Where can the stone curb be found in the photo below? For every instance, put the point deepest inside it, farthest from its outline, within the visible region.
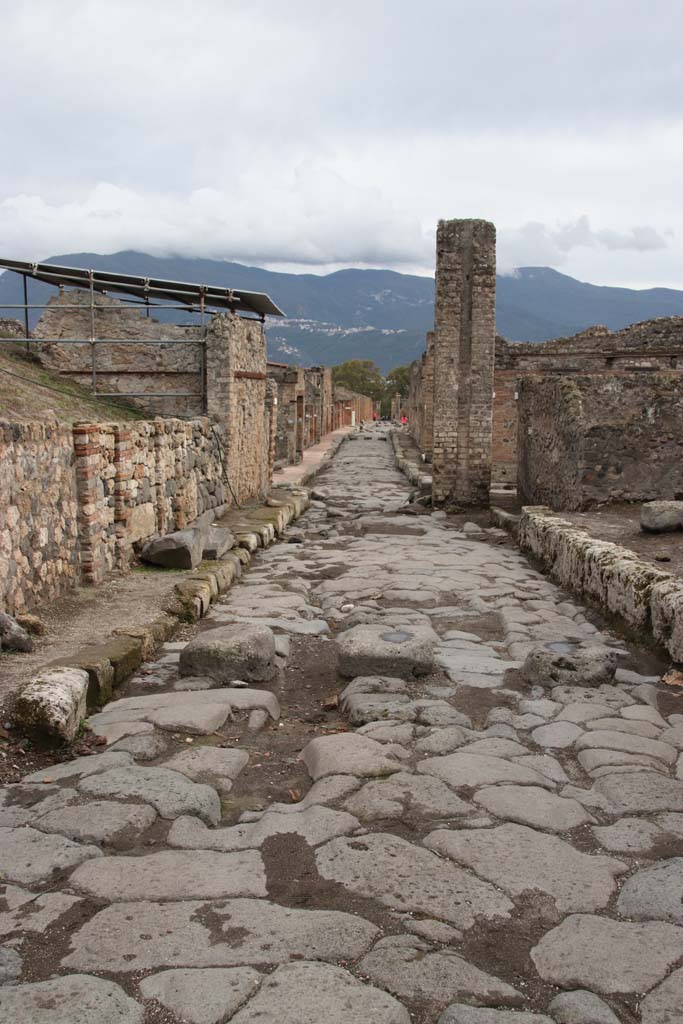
(612, 577)
(109, 663)
(505, 521)
(411, 470)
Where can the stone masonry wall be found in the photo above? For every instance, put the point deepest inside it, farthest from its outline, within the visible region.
(38, 508)
(595, 438)
(464, 337)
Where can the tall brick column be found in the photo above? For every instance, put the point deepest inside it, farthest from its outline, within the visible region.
(464, 349)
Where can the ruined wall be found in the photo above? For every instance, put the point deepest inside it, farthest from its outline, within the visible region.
(585, 439)
(419, 405)
(289, 381)
(350, 408)
(464, 335)
(38, 506)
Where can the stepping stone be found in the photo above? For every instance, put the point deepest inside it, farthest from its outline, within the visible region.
(69, 1000)
(21, 804)
(640, 793)
(308, 993)
(380, 650)
(173, 875)
(663, 1004)
(315, 825)
(170, 793)
(607, 739)
(458, 1013)
(231, 652)
(409, 878)
(194, 720)
(406, 796)
(28, 856)
(581, 1007)
(32, 912)
(472, 770)
(654, 893)
(530, 805)
(142, 936)
(607, 956)
(629, 835)
(348, 754)
(407, 967)
(216, 766)
(100, 821)
(518, 859)
(207, 996)
(578, 665)
(80, 766)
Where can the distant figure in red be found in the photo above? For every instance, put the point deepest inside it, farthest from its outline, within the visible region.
(374, 417)
(404, 420)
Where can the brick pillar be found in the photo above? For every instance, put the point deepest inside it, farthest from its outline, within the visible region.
(87, 465)
(464, 348)
(122, 494)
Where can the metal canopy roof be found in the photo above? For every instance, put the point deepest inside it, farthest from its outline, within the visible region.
(148, 288)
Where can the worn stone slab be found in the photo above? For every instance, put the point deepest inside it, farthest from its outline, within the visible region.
(100, 821)
(530, 805)
(546, 765)
(407, 967)
(217, 766)
(32, 912)
(368, 650)
(308, 993)
(202, 996)
(497, 746)
(173, 875)
(348, 754)
(443, 740)
(635, 727)
(628, 835)
(244, 651)
(663, 1004)
(582, 711)
(608, 956)
(143, 747)
(315, 825)
(170, 793)
(74, 999)
(21, 804)
(601, 762)
(28, 856)
(11, 966)
(459, 1013)
(654, 893)
(607, 739)
(389, 732)
(558, 735)
(472, 770)
(581, 1007)
(406, 877)
(517, 859)
(228, 933)
(406, 795)
(199, 720)
(81, 766)
(640, 793)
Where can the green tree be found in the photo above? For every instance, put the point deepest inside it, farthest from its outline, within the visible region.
(361, 376)
(398, 381)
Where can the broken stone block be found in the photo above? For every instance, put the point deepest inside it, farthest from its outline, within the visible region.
(53, 703)
(231, 652)
(217, 542)
(180, 550)
(571, 665)
(661, 516)
(13, 637)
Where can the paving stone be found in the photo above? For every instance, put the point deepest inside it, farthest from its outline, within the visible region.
(217, 766)
(391, 732)
(32, 912)
(228, 933)
(308, 993)
(663, 1004)
(557, 735)
(407, 877)
(170, 793)
(643, 713)
(74, 999)
(202, 996)
(100, 821)
(674, 736)
(405, 795)
(348, 754)
(545, 764)
(196, 721)
(80, 766)
(10, 967)
(580, 712)
(459, 1013)
(369, 650)
(117, 730)
(20, 804)
(581, 1007)
(543, 707)
(408, 968)
(374, 684)
(497, 747)
(433, 931)
(607, 956)
(602, 762)
(606, 739)
(530, 805)
(634, 727)
(314, 824)
(29, 856)
(629, 835)
(654, 893)
(517, 859)
(144, 747)
(641, 793)
(670, 823)
(463, 769)
(442, 740)
(241, 651)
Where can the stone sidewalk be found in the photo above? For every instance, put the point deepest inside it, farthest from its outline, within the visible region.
(342, 802)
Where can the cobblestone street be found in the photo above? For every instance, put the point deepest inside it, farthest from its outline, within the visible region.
(343, 802)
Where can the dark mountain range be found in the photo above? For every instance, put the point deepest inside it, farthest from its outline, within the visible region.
(380, 314)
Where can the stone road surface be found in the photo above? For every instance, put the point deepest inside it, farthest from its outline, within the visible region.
(446, 843)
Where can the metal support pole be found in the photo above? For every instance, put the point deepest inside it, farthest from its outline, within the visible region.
(93, 346)
(26, 310)
(202, 356)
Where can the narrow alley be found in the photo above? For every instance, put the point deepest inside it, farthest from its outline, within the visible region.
(343, 801)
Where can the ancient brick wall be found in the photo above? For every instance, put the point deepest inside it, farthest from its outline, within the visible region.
(38, 507)
(464, 335)
(585, 439)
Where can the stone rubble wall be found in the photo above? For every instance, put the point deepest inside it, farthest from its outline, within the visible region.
(596, 438)
(614, 578)
(39, 550)
(304, 408)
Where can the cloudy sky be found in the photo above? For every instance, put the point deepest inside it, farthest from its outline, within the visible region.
(312, 135)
